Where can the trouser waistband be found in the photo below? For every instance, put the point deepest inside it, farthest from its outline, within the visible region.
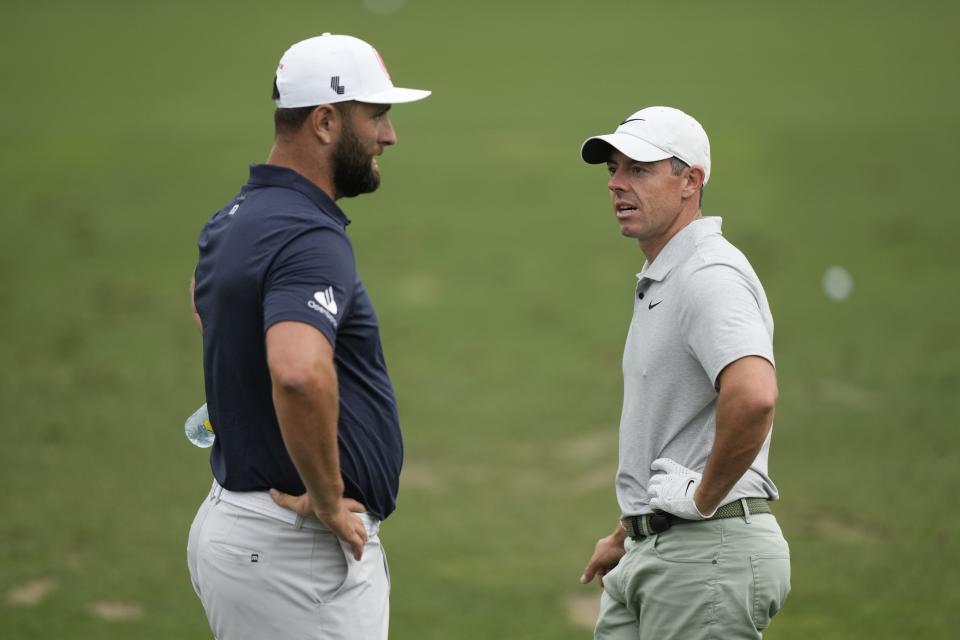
(649, 524)
(260, 502)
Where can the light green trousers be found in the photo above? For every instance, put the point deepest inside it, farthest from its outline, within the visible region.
(719, 579)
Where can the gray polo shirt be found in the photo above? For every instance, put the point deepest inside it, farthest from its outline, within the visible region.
(698, 307)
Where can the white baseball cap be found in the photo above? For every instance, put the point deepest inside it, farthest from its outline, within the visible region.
(335, 68)
(651, 134)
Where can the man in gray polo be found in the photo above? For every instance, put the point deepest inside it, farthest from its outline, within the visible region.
(697, 553)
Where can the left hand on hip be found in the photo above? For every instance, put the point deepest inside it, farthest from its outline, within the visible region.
(672, 488)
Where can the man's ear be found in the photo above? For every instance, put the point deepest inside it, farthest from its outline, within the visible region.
(692, 182)
(325, 122)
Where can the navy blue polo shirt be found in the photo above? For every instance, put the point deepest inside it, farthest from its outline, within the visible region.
(279, 251)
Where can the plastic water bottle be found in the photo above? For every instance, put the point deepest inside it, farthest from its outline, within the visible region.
(198, 428)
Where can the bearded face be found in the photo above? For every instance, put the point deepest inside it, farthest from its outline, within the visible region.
(354, 171)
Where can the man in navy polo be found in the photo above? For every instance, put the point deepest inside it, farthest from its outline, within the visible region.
(308, 449)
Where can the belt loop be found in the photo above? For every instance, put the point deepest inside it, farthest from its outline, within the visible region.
(216, 493)
(298, 523)
(746, 510)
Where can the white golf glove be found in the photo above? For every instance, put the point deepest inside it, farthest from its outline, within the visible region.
(672, 487)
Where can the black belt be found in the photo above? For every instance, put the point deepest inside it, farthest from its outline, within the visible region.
(652, 523)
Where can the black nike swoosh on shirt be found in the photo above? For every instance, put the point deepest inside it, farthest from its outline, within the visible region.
(688, 487)
(653, 304)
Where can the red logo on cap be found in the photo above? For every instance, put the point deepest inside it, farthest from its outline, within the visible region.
(383, 65)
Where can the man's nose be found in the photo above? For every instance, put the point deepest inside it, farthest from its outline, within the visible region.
(615, 183)
(388, 135)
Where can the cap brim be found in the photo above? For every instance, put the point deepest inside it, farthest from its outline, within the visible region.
(596, 150)
(395, 95)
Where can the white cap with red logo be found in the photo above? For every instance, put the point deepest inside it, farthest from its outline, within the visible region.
(336, 68)
(651, 134)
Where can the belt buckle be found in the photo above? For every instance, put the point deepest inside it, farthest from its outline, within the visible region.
(659, 522)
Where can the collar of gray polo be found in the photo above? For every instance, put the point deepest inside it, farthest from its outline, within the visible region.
(679, 248)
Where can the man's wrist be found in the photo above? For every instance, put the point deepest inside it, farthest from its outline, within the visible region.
(327, 501)
(706, 505)
(619, 535)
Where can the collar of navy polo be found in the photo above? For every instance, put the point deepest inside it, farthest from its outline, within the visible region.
(269, 175)
(679, 248)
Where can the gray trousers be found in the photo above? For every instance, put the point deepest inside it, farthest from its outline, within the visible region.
(712, 579)
(262, 574)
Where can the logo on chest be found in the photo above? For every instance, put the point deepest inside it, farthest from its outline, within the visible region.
(652, 304)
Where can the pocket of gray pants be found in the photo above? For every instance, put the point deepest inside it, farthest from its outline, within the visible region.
(693, 543)
(386, 567)
(239, 555)
(329, 566)
(771, 586)
(230, 540)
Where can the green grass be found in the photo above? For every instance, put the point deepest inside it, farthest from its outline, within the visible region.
(503, 288)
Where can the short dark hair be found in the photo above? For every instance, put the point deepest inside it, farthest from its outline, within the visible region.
(289, 121)
(677, 165)
(676, 168)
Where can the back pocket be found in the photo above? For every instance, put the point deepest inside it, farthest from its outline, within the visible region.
(236, 554)
(771, 586)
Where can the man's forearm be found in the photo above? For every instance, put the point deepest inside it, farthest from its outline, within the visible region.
(738, 441)
(307, 411)
(745, 409)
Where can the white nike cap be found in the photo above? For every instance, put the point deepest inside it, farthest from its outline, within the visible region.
(335, 68)
(651, 134)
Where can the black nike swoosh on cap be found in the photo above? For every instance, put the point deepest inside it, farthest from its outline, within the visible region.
(632, 120)
(653, 304)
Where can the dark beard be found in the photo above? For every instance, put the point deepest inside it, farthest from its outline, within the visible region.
(353, 171)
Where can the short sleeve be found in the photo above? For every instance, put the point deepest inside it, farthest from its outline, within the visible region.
(724, 317)
(311, 280)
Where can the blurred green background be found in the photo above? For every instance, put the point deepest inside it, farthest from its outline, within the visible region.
(503, 287)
